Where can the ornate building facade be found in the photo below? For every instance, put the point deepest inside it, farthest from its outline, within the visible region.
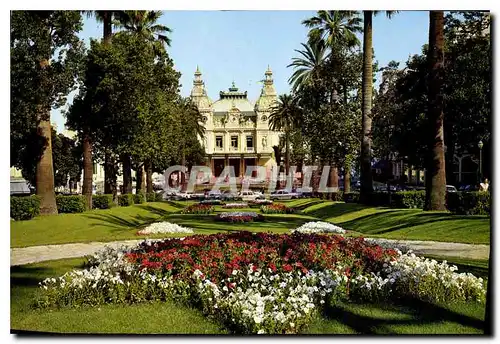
(236, 130)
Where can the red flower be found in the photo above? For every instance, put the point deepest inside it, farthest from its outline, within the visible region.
(287, 267)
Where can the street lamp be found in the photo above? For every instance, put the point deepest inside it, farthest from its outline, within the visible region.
(480, 145)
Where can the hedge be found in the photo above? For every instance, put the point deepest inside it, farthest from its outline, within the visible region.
(159, 196)
(125, 200)
(351, 197)
(469, 203)
(102, 201)
(24, 208)
(150, 197)
(139, 198)
(71, 204)
(408, 199)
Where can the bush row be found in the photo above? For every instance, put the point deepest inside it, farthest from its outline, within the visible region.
(463, 203)
(25, 208)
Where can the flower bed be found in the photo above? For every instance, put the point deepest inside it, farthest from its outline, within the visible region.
(198, 209)
(164, 227)
(212, 202)
(319, 227)
(259, 283)
(259, 202)
(276, 208)
(239, 217)
(235, 205)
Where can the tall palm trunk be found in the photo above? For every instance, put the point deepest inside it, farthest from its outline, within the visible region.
(366, 168)
(87, 170)
(149, 176)
(127, 173)
(45, 168)
(347, 179)
(333, 178)
(435, 194)
(287, 153)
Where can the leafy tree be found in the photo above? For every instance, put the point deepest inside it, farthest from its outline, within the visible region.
(307, 68)
(67, 154)
(46, 56)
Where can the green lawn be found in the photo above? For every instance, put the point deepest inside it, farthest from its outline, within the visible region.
(121, 223)
(168, 317)
(410, 224)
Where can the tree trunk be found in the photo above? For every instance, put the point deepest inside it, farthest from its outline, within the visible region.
(45, 171)
(149, 176)
(436, 181)
(347, 179)
(287, 153)
(110, 176)
(366, 168)
(333, 179)
(127, 174)
(143, 180)
(183, 174)
(87, 170)
(107, 27)
(138, 179)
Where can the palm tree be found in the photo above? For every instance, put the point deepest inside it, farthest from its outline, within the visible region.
(366, 168)
(435, 179)
(285, 116)
(307, 67)
(335, 28)
(144, 24)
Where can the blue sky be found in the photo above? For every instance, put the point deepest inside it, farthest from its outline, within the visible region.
(238, 45)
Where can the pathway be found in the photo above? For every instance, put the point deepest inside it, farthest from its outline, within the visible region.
(33, 254)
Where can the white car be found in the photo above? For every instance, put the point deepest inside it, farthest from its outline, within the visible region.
(249, 196)
(283, 194)
(451, 188)
(181, 195)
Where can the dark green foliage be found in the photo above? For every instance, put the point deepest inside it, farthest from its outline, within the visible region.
(70, 204)
(158, 196)
(469, 203)
(102, 201)
(125, 200)
(150, 197)
(408, 199)
(139, 198)
(351, 197)
(38, 37)
(24, 208)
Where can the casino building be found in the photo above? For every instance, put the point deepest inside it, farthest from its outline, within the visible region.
(237, 130)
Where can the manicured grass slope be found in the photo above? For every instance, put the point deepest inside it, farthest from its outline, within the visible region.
(410, 224)
(118, 223)
(122, 223)
(168, 317)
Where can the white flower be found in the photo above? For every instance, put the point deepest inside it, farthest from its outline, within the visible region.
(319, 227)
(164, 227)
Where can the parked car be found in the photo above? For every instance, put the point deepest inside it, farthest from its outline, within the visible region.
(229, 196)
(214, 194)
(181, 196)
(451, 188)
(250, 196)
(283, 195)
(304, 192)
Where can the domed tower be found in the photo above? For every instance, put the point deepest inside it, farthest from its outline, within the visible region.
(199, 94)
(263, 106)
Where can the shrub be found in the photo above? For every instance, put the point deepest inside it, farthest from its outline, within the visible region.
(337, 196)
(150, 197)
(469, 203)
(102, 201)
(24, 208)
(71, 204)
(276, 208)
(212, 202)
(408, 199)
(239, 217)
(351, 197)
(198, 209)
(159, 196)
(139, 198)
(125, 200)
